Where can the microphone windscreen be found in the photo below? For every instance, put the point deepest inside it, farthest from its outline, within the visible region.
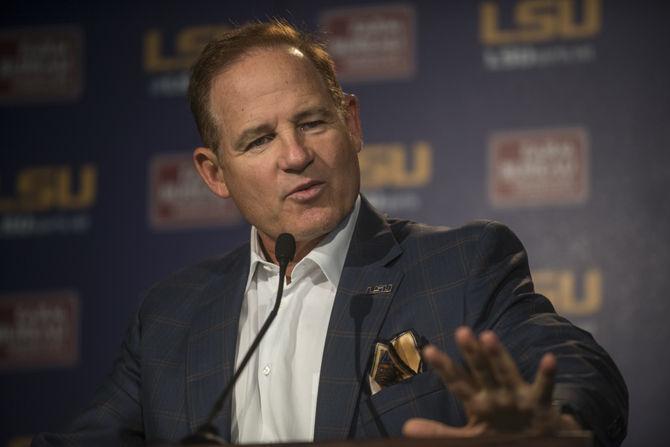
(285, 247)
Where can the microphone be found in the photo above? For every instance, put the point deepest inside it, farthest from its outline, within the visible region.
(207, 433)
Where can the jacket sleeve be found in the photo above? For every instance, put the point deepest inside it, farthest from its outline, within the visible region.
(588, 384)
(114, 417)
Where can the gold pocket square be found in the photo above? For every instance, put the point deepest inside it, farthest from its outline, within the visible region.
(395, 361)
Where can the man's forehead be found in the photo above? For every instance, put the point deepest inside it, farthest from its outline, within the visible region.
(265, 69)
(265, 66)
(276, 53)
(296, 52)
(241, 95)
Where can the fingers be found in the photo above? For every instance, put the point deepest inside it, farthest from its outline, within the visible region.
(495, 395)
(453, 375)
(502, 364)
(543, 386)
(426, 428)
(491, 367)
(476, 358)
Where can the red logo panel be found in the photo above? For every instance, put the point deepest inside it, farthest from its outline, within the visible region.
(538, 167)
(39, 330)
(40, 64)
(371, 43)
(178, 198)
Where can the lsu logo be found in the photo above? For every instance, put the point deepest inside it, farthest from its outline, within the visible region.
(536, 21)
(560, 286)
(187, 45)
(394, 166)
(48, 188)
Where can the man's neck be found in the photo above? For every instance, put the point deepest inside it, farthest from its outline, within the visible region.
(342, 232)
(302, 249)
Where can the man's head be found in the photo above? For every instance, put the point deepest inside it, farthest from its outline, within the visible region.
(232, 45)
(285, 140)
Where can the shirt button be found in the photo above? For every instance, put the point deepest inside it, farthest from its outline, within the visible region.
(266, 370)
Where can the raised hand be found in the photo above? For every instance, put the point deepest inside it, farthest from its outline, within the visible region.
(495, 396)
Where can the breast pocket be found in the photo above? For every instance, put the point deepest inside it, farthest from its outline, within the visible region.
(423, 395)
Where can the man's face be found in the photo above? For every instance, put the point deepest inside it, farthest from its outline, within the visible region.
(287, 157)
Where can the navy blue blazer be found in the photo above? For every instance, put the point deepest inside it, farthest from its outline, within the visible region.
(180, 347)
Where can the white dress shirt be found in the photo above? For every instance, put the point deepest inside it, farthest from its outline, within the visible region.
(275, 397)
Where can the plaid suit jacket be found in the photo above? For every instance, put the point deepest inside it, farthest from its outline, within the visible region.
(179, 351)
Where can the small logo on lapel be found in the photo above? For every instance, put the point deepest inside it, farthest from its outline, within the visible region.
(381, 288)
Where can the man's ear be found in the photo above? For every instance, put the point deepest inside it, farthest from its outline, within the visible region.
(208, 166)
(353, 120)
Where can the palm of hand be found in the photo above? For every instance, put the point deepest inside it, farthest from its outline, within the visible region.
(509, 410)
(494, 395)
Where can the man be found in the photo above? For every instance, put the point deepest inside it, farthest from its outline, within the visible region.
(281, 140)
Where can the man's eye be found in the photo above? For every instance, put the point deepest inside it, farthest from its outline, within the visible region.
(258, 142)
(312, 125)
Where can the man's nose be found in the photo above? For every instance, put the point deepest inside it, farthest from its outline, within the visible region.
(295, 155)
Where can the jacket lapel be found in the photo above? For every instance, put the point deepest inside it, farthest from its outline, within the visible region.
(210, 355)
(366, 289)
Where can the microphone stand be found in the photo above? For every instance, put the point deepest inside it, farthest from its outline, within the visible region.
(207, 433)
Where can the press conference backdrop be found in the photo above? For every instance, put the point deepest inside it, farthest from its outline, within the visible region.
(549, 115)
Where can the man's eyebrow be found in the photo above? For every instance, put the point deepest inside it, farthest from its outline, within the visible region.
(252, 132)
(316, 111)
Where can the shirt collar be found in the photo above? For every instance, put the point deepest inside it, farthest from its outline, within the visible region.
(329, 255)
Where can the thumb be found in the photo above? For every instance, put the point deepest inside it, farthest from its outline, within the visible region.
(426, 428)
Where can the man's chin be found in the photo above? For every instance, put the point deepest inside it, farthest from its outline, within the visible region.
(313, 226)
(306, 235)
